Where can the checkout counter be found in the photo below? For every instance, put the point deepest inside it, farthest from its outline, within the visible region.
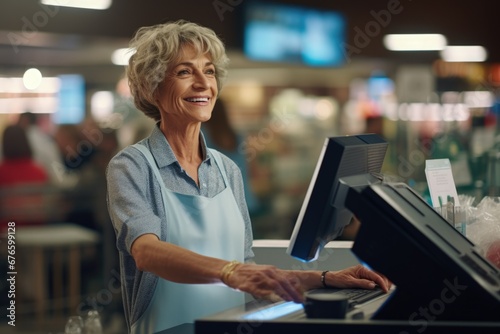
(336, 255)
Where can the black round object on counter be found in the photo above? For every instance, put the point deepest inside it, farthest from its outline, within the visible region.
(325, 305)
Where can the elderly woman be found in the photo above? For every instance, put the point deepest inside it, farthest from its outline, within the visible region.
(178, 208)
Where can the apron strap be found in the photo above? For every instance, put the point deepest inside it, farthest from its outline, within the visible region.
(149, 157)
(220, 164)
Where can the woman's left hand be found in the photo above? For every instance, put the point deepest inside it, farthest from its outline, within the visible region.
(357, 277)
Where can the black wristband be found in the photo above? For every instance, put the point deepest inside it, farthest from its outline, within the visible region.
(323, 278)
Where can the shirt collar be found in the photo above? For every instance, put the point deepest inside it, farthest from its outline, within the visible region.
(163, 153)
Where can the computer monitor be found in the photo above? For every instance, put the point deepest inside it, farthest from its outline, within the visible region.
(439, 274)
(323, 215)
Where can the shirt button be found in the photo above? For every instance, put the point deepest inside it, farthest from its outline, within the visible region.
(203, 184)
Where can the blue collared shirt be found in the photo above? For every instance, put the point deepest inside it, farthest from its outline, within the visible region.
(136, 208)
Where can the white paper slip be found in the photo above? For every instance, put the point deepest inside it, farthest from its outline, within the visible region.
(441, 183)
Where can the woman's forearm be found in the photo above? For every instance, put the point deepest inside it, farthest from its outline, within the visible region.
(175, 263)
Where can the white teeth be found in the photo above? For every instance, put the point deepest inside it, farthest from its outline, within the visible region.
(198, 99)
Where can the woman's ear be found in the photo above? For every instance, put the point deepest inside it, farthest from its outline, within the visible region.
(155, 97)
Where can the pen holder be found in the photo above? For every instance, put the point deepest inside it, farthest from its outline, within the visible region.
(455, 215)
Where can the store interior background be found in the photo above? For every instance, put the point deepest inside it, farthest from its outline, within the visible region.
(423, 106)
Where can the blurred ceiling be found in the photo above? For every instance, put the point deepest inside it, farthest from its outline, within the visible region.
(60, 39)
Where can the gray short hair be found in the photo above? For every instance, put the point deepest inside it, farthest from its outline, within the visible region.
(155, 49)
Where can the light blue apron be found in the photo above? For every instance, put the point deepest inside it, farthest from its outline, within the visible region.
(209, 226)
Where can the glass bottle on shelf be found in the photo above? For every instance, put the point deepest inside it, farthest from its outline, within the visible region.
(74, 325)
(93, 323)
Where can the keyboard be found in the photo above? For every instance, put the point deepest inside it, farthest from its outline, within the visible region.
(266, 310)
(355, 296)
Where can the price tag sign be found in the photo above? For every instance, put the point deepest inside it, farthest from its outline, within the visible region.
(441, 183)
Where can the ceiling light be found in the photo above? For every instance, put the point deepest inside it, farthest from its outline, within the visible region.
(464, 53)
(87, 4)
(101, 105)
(121, 56)
(32, 78)
(415, 42)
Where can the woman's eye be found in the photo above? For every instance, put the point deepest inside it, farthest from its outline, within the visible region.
(183, 72)
(210, 71)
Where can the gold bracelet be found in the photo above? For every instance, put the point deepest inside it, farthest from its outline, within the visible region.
(228, 270)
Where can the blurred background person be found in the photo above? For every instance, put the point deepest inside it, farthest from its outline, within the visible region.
(86, 149)
(220, 134)
(20, 178)
(18, 165)
(43, 145)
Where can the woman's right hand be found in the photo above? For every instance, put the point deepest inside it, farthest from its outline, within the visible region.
(267, 282)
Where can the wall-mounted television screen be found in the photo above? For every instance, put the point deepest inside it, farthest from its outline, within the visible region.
(71, 96)
(293, 34)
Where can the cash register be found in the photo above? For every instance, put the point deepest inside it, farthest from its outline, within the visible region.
(441, 281)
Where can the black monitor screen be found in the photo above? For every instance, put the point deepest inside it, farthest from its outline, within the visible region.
(323, 216)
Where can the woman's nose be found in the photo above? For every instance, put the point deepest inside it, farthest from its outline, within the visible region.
(201, 81)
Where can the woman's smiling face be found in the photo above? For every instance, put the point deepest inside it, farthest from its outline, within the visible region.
(189, 90)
